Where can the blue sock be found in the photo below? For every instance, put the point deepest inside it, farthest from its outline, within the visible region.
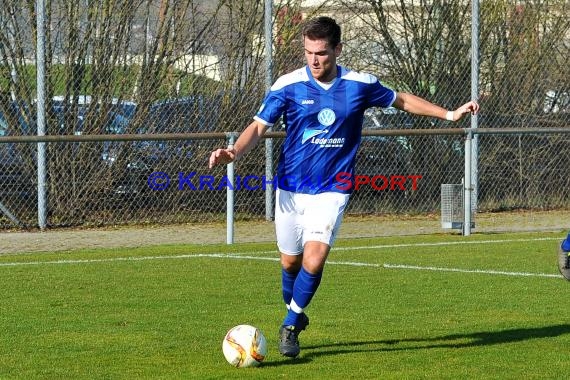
(304, 289)
(287, 282)
(566, 244)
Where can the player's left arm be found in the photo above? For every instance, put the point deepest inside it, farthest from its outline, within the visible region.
(414, 104)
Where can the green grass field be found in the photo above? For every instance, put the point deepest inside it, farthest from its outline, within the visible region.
(438, 306)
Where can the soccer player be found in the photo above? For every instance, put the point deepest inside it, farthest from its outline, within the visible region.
(323, 106)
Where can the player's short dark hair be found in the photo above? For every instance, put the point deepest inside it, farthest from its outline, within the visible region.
(322, 28)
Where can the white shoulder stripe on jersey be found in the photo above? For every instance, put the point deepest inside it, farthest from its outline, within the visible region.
(299, 75)
(359, 77)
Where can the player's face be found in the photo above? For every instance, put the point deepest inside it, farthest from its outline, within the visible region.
(321, 59)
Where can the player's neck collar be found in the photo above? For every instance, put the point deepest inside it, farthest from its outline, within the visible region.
(326, 85)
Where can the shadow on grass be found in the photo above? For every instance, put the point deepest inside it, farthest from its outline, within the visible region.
(485, 338)
(289, 361)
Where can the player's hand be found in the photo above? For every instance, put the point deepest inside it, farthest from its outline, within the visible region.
(471, 107)
(222, 156)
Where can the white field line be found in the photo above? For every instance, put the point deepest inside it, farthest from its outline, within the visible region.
(243, 256)
(444, 243)
(141, 258)
(436, 244)
(482, 271)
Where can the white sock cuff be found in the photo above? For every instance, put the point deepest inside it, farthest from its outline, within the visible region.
(293, 306)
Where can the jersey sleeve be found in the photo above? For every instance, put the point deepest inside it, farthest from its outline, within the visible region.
(380, 95)
(376, 93)
(272, 108)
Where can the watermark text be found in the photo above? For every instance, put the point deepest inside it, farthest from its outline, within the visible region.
(343, 181)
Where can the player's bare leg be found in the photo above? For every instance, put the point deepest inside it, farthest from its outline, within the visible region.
(315, 255)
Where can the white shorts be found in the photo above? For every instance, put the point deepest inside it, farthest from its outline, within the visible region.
(300, 218)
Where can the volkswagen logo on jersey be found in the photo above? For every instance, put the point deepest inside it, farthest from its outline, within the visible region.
(326, 117)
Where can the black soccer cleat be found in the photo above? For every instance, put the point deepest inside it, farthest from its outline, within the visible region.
(289, 337)
(564, 263)
(289, 341)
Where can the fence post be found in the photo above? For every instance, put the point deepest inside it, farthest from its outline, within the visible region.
(268, 26)
(230, 193)
(41, 119)
(467, 185)
(474, 96)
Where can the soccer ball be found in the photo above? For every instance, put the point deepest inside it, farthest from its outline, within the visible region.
(244, 346)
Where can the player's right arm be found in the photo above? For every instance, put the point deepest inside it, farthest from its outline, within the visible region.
(245, 142)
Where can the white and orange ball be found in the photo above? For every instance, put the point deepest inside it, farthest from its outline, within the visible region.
(244, 346)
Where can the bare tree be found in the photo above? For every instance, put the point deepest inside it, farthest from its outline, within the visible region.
(526, 83)
(422, 47)
(522, 49)
(99, 54)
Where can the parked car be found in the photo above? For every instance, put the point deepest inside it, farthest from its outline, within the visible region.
(133, 161)
(383, 155)
(196, 113)
(15, 180)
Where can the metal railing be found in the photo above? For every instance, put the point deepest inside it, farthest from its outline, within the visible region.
(394, 158)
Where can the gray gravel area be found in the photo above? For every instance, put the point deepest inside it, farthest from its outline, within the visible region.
(247, 231)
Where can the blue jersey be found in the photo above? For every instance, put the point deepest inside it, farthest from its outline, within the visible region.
(324, 127)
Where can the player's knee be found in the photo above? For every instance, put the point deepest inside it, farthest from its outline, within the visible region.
(314, 257)
(314, 265)
(291, 263)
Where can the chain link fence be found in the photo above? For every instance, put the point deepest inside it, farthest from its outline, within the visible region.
(168, 67)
